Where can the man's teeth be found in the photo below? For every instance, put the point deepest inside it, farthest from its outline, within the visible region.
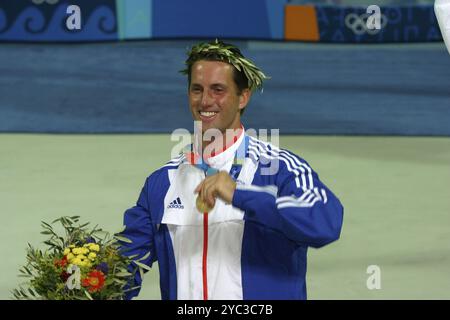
(207, 114)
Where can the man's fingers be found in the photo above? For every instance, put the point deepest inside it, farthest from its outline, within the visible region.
(203, 192)
(212, 198)
(209, 196)
(199, 187)
(207, 191)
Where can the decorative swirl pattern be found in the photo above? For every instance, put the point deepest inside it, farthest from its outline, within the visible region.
(107, 22)
(34, 21)
(48, 23)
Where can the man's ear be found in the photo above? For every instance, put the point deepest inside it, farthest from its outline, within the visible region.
(244, 98)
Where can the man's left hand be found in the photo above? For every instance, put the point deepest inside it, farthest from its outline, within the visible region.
(217, 185)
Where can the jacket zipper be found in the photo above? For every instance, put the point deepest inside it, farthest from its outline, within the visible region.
(205, 255)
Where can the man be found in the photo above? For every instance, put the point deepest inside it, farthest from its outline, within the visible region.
(232, 217)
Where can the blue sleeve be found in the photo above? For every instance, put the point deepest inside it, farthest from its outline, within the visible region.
(138, 229)
(298, 204)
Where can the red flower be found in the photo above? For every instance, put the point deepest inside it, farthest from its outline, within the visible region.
(61, 263)
(94, 281)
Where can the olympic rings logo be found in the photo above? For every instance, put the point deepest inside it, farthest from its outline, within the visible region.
(364, 23)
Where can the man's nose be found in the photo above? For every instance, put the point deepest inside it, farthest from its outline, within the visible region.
(207, 99)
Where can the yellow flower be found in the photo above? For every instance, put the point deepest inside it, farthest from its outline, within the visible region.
(81, 257)
(66, 251)
(77, 261)
(70, 257)
(76, 250)
(72, 246)
(84, 263)
(94, 247)
(84, 250)
(92, 256)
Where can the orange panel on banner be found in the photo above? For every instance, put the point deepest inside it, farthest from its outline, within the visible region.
(301, 23)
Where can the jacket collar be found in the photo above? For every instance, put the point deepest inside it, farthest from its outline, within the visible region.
(219, 159)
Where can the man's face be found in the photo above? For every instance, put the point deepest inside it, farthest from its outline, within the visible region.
(213, 96)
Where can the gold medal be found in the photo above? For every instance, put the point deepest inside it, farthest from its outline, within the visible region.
(202, 206)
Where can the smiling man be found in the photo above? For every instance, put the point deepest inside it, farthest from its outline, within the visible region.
(214, 96)
(233, 216)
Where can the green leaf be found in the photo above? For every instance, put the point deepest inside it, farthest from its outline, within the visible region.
(122, 282)
(23, 293)
(123, 239)
(141, 272)
(84, 225)
(88, 295)
(28, 271)
(56, 220)
(115, 295)
(143, 266)
(145, 257)
(46, 224)
(131, 289)
(24, 275)
(123, 274)
(16, 295)
(64, 222)
(31, 292)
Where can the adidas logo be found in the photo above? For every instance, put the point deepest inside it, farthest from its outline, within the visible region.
(175, 204)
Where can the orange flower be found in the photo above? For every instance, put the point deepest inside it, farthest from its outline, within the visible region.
(94, 281)
(61, 263)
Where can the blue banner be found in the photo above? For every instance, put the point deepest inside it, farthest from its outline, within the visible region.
(398, 24)
(52, 20)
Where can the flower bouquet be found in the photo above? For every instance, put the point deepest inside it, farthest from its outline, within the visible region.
(82, 264)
